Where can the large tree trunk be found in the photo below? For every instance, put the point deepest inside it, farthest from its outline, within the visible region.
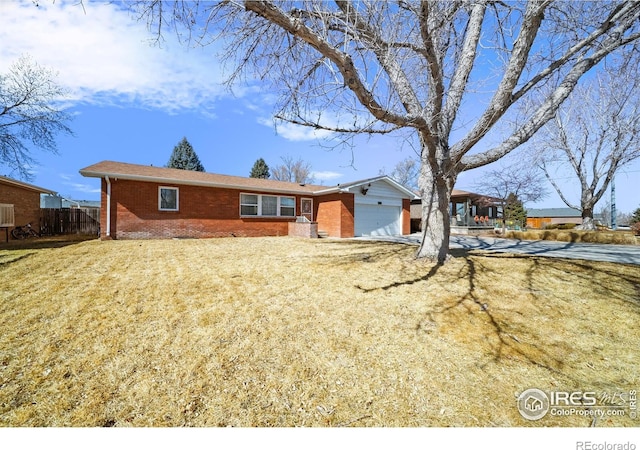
(436, 221)
(587, 220)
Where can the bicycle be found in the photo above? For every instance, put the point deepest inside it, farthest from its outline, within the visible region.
(24, 232)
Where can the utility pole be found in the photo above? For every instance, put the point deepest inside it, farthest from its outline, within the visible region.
(614, 225)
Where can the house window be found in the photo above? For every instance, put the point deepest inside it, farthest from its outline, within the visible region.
(267, 205)
(287, 206)
(7, 216)
(248, 205)
(168, 199)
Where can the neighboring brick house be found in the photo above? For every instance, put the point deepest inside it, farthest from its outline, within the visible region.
(139, 202)
(19, 204)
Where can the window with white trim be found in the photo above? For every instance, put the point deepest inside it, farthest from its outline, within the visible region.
(168, 199)
(287, 206)
(267, 205)
(248, 205)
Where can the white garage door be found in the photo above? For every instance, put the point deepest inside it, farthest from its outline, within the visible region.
(377, 220)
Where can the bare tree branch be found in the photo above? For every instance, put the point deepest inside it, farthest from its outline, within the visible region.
(29, 114)
(453, 73)
(594, 133)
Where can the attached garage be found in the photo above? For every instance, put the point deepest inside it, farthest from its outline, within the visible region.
(379, 206)
(377, 220)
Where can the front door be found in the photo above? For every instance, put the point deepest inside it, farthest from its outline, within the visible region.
(306, 208)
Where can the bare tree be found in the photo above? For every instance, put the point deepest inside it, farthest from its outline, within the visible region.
(29, 114)
(406, 172)
(446, 72)
(605, 213)
(593, 135)
(519, 180)
(296, 171)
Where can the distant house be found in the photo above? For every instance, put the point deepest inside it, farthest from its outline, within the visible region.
(540, 218)
(467, 210)
(19, 203)
(140, 202)
(56, 201)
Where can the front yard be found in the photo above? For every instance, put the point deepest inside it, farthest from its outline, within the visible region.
(286, 332)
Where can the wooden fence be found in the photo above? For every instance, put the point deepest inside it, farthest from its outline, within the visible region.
(69, 221)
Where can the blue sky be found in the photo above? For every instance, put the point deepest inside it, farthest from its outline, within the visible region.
(133, 102)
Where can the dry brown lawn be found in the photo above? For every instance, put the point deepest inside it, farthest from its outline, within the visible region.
(591, 237)
(288, 332)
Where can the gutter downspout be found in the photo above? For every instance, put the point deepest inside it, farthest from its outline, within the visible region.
(108, 230)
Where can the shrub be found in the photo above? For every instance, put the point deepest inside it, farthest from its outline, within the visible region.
(636, 228)
(560, 226)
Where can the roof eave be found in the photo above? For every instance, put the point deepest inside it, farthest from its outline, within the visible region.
(28, 186)
(384, 178)
(175, 181)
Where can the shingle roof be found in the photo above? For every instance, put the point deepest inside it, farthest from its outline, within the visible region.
(553, 212)
(139, 172)
(24, 185)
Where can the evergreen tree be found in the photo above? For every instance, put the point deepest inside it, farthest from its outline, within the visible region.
(184, 157)
(636, 216)
(260, 169)
(635, 222)
(514, 212)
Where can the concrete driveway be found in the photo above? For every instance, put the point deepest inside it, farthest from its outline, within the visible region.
(625, 254)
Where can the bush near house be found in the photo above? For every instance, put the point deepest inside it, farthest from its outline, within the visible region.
(560, 226)
(592, 237)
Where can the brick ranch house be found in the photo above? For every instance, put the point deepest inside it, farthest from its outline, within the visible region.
(139, 202)
(19, 204)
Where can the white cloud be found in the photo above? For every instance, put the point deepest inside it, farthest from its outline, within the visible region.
(104, 56)
(325, 175)
(86, 188)
(293, 132)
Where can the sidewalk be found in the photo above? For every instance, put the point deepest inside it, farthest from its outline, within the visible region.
(622, 254)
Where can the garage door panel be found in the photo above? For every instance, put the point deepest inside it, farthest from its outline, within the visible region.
(377, 220)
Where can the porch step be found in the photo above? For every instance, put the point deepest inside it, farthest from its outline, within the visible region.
(322, 234)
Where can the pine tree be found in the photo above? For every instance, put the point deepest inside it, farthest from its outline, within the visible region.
(260, 169)
(514, 212)
(184, 157)
(635, 222)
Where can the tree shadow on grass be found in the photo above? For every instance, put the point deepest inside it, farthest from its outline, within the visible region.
(45, 242)
(363, 251)
(472, 318)
(496, 334)
(15, 251)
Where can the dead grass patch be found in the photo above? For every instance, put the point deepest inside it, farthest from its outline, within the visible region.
(288, 332)
(592, 237)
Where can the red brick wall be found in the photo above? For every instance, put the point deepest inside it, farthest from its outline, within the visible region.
(203, 212)
(334, 214)
(26, 206)
(406, 216)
